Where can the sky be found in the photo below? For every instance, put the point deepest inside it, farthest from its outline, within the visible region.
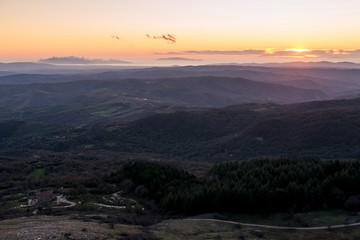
(181, 31)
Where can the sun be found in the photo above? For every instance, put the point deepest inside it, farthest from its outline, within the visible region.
(299, 50)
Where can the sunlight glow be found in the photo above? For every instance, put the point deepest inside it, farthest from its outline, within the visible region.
(311, 56)
(217, 31)
(298, 50)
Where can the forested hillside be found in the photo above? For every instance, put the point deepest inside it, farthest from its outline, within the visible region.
(328, 129)
(249, 186)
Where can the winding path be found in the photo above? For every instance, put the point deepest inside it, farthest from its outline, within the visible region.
(110, 206)
(275, 227)
(65, 201)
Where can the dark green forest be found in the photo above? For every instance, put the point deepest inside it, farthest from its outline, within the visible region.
(77, 132)
(260, 185)
(318, 130)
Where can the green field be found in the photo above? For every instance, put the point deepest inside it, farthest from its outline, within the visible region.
(89, 146)
(37, 173)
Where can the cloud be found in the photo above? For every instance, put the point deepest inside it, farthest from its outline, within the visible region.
(353, 52)
(178, 59)
(216, 52)
(168, 53)
(330, 53)
(275, 53)
(81, 60)
(115, 37)
(283, 53)
(292, 53)
(336, 54)
(168, 37)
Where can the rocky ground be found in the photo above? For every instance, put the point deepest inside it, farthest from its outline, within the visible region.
(61, 227)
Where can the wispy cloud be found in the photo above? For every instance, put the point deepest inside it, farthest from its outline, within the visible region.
(282, 53)
(115, 37)
(216, 52)
(168, 53)
(81, 60)
(168, 37)
(290, 53)
(179, 59)
(313, 53)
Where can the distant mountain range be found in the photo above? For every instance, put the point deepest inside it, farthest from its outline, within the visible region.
(300, 64)
(204, 113)
(333, 82)
(129, 94)
(60, 68)
(75, 64)
(81, 60)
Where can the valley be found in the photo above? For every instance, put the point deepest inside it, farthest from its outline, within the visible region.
(250, 152)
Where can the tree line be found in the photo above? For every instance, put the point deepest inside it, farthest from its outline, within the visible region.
(259, 185)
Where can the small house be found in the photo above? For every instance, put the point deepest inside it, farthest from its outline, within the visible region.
(41, 197)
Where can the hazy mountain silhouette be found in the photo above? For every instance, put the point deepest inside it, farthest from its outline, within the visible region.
(333, 82)
(81, 60)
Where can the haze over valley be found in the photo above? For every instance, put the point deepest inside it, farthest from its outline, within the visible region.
(179, 119)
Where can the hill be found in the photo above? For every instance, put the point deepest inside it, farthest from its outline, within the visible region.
(334, 79)
(199, 91)
(327, 129)
(91, 101)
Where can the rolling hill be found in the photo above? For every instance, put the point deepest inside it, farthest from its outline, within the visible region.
(327, 129)
(334, 79)
(198, 91)
(90, 101)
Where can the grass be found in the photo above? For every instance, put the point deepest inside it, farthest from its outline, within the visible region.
(11, 204)
(37, 173)
(105, 111)
(301, 219)
(333, 217)
(183, 229)
(261, 109)
(73, 135)
(110, 144)
(89, 146)
(59, 227)
(55, 226)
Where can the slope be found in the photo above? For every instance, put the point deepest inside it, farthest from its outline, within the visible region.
(327, 129)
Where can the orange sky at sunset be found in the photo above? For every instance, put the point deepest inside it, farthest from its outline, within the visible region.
(207, 30)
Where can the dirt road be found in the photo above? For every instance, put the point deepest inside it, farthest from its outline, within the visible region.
(275, 227)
